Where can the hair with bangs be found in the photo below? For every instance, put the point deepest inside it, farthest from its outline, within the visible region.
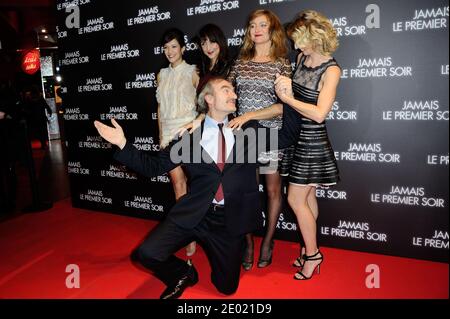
(214, 34)
(172, 34)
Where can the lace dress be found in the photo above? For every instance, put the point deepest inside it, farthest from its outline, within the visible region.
(311, 160)
(254, 83)
(176, 97)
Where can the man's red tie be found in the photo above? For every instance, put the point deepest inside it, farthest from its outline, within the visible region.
(221, 160)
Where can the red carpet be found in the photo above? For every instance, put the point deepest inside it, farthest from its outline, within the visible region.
(36, 248)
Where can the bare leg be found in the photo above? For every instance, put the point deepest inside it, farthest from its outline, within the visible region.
(178, 182)
(312, 203)
(298, 199)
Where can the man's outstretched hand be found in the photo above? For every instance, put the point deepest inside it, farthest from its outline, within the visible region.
(114, 135)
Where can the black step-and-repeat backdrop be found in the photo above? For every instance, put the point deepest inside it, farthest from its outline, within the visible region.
(389, 124)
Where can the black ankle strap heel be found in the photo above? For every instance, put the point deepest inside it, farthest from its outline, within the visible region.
(317, 256)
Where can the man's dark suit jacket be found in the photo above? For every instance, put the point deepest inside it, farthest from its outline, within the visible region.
(238, 178)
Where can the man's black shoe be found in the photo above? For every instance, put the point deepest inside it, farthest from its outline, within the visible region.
(176, 290)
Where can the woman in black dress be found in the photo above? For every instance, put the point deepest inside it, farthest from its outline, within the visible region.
(311, 92)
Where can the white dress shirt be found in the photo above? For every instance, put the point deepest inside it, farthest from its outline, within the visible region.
(210, 138)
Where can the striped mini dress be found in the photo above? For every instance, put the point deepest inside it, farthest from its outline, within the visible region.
(311, 160)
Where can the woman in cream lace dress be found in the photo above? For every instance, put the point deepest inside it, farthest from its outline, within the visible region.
(176, 95)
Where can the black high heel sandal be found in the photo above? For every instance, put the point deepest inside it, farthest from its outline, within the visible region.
(300, 261)
(262, 263)
(316, 268)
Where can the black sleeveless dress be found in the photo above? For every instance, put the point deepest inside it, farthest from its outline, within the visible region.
(311, 160)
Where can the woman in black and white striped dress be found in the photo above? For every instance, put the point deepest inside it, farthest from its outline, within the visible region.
(311, 93)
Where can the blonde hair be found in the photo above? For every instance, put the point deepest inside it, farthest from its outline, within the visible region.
(277, 36)
(313, 28)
